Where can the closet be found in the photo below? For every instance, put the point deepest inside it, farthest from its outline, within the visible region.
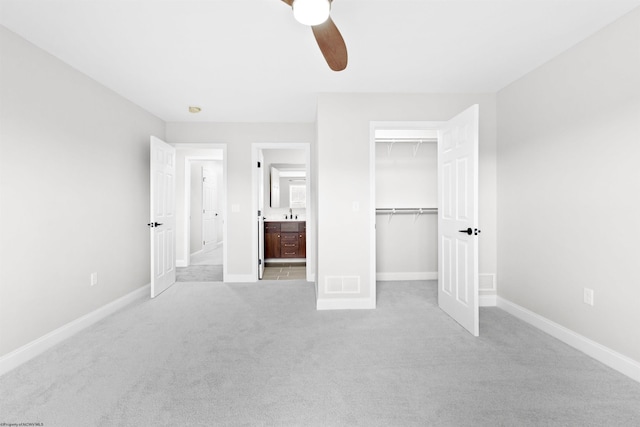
(406, 205)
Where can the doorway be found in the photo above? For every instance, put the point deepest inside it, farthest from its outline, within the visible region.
(406, 204)
(201, 200)
(283, 238)
(456, 206)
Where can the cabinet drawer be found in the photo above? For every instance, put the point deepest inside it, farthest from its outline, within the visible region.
(289, 250)
(289, 226)
(289, 237)
(271, 227)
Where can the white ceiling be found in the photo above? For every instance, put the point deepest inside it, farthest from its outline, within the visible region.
(250, 61)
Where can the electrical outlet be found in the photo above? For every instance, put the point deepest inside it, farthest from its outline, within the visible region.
(588, 296)
(94, 279)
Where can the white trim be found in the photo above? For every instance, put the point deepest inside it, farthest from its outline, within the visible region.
(487, 300)
(345, 304)
(35, 348)
(402, 275)
(181, 263)
(239, 278)
(609, 357)
(196, 252)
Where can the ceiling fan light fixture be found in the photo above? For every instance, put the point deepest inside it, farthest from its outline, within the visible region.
(311, 12)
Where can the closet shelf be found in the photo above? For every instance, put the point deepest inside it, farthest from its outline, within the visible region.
(416, 141)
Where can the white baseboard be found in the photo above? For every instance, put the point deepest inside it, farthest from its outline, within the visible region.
(487, 300)
(181, 263)
(40, 345)
(418, 275)
(609, 357)
(240, 278)
(345, 303)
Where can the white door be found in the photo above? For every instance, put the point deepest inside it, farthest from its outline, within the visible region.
(209, 209)
(261, 191)
(163, 219)
(458, 219)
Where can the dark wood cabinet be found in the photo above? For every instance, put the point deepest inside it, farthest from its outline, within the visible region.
(271, 241)
(286, 239)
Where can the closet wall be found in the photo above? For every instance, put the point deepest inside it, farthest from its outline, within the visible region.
(406, 242)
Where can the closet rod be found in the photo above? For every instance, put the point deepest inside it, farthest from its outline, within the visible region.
(414, 140)
(406, 210)
(415, 211)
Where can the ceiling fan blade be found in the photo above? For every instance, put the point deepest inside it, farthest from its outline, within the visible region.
(331, 44)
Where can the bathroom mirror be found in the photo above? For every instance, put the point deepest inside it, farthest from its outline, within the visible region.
(288, 184)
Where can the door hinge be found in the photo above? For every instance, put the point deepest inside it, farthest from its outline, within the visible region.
(204, 178)
(259, 262)
(258, 164)
(204, 243)
(259, 212)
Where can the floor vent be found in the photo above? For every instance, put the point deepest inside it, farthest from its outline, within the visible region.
(342, 285)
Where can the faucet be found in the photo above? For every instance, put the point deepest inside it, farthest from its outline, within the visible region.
(290, 214)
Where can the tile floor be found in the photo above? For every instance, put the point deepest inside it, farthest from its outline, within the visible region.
(285, 271)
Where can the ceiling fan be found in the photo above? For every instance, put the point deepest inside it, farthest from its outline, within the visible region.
(315, 13)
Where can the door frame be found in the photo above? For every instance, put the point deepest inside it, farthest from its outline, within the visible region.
(373, 127)
(310, 211)
(187, 195)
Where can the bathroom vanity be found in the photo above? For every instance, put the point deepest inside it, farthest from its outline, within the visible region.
(285, 239)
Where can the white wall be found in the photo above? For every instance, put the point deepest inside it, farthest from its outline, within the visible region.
(239, 137)
(343, 159)
(569, 188)
(74, 185)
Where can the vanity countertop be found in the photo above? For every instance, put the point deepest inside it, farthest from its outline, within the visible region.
(284, 220)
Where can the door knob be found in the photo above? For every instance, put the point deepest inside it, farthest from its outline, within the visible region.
(154, 224)
(470, 231)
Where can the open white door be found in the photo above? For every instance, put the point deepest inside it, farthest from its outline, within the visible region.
(209, 209)
(260, 214)
(458, 219)
(163, 219)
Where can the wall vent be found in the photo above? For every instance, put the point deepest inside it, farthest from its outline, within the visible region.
(342, 284)
(487, 282)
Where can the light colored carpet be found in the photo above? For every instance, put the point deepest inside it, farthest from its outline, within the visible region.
(204, 267)
(199, 273)
(215, 354)
(212, 256)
